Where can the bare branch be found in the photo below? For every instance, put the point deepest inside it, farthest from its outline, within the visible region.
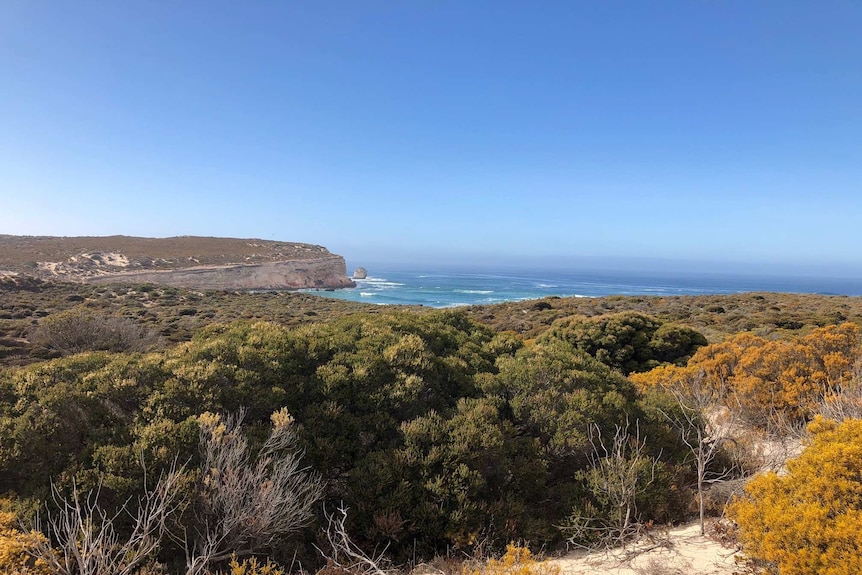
(85, 536)
(78, 330)
(344, 553)
(248, 504)
(844, 401)
(621, 470)
(703, 427)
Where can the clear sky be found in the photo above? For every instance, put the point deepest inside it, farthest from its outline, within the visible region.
(469, 131)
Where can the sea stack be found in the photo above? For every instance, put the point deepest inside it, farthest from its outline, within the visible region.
(360, 273)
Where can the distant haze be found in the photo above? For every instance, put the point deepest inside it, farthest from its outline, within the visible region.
(574, 264)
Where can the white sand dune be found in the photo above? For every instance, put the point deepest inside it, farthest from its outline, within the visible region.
(683, 551)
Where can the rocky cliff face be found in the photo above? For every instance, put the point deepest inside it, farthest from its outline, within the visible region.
(187, 262)
(322, 273)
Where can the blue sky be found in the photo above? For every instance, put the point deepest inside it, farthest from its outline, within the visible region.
(701, 133)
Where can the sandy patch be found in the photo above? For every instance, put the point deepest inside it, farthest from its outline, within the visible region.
(52, 268)
(114, 259)
(684, 551)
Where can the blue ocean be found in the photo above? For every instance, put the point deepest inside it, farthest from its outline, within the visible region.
(436, 288)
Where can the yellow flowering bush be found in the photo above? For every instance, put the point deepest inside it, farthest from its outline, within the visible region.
(14, 559)
(251, 566)
(808, 520)
(516, 561)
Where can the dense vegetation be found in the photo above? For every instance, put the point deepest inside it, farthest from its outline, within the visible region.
(715, 316)
(770, 384)
(433, 430)
(430, 426)
(176, 314)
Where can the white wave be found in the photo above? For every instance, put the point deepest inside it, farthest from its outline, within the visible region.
(477, 291)
(382, 283)
(546, 285)
(367, 294)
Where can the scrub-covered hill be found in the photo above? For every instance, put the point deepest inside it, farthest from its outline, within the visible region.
(185, 261)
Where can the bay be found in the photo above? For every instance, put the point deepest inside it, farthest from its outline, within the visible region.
(442, 288)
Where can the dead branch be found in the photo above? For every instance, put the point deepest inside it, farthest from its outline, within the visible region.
(84, 533)
(621, 470)
(344, 553)
(248, 504)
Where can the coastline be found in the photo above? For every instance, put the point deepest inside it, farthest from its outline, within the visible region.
(442, 289)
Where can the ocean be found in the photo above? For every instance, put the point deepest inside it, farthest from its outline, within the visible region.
(440, 288)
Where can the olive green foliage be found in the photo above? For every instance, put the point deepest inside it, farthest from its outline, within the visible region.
(629, 342)
(59, 415)
(177, 314)
(619, 480)
(776, 315)
(174, 314)
(433, 429)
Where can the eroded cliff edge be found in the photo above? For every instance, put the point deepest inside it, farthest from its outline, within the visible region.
(322, 273)
(187, 261)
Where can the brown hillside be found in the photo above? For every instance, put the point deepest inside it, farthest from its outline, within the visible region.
(24, 253)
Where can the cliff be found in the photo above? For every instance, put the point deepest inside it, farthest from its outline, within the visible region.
(323, 273)
(188, 261)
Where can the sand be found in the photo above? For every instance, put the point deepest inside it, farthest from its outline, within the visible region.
(681, 551)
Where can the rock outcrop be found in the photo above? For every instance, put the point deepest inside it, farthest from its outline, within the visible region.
(360, 273)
